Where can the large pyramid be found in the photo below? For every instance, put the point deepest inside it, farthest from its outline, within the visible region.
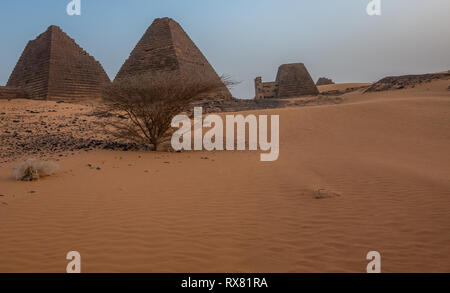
(53, 66)
(165, 47)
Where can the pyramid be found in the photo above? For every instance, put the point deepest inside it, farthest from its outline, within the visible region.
(294, 80)
(324, 81)
(166, 48)
(53, 66)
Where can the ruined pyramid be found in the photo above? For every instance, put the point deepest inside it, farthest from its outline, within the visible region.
(53, 66)
(294, 80)
(165, 47)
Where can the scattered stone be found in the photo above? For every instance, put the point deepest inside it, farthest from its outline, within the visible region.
(404, 81)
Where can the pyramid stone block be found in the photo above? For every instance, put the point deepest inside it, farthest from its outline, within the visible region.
(8, 93)
(53, 66)
(166, 48)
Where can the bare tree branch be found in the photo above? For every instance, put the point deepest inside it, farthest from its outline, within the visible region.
(148, 103)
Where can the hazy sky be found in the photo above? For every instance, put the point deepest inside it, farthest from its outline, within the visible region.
(249, 38)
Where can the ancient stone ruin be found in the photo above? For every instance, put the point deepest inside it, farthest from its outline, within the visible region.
(165, 47)
(324, 81)
(293, 80)
(53, 66)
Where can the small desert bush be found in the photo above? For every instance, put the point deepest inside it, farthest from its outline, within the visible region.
(33, 169)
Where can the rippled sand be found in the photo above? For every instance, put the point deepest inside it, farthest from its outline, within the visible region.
(381, 161)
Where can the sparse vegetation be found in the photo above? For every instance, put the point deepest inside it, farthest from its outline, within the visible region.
(33, 169)
(146, 105)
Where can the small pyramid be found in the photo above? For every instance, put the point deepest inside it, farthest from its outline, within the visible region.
(53, 66)
(324, 81)
(165, 47)
(294, 80)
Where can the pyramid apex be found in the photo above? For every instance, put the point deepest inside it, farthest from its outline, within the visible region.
(292, 64)
(53, 28)
(164, 19)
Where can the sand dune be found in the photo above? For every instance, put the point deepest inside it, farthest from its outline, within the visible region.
(381, 161)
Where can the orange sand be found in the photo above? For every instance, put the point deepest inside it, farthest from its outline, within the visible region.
(383, 160)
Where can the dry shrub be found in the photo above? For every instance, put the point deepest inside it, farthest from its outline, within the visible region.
(33, 169)
(146, 105)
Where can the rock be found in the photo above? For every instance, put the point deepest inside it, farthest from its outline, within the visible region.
(404, 81)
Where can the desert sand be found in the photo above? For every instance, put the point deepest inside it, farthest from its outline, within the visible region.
(340, 86)
(380, 160)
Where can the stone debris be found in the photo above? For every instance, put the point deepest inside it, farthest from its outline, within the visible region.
(405, 81)
(34, 133)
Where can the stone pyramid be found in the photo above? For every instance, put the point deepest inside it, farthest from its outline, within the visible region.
(294, 80)
(165, 47)
(53, 66)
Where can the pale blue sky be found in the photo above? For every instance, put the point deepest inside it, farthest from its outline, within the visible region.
(249, 38)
